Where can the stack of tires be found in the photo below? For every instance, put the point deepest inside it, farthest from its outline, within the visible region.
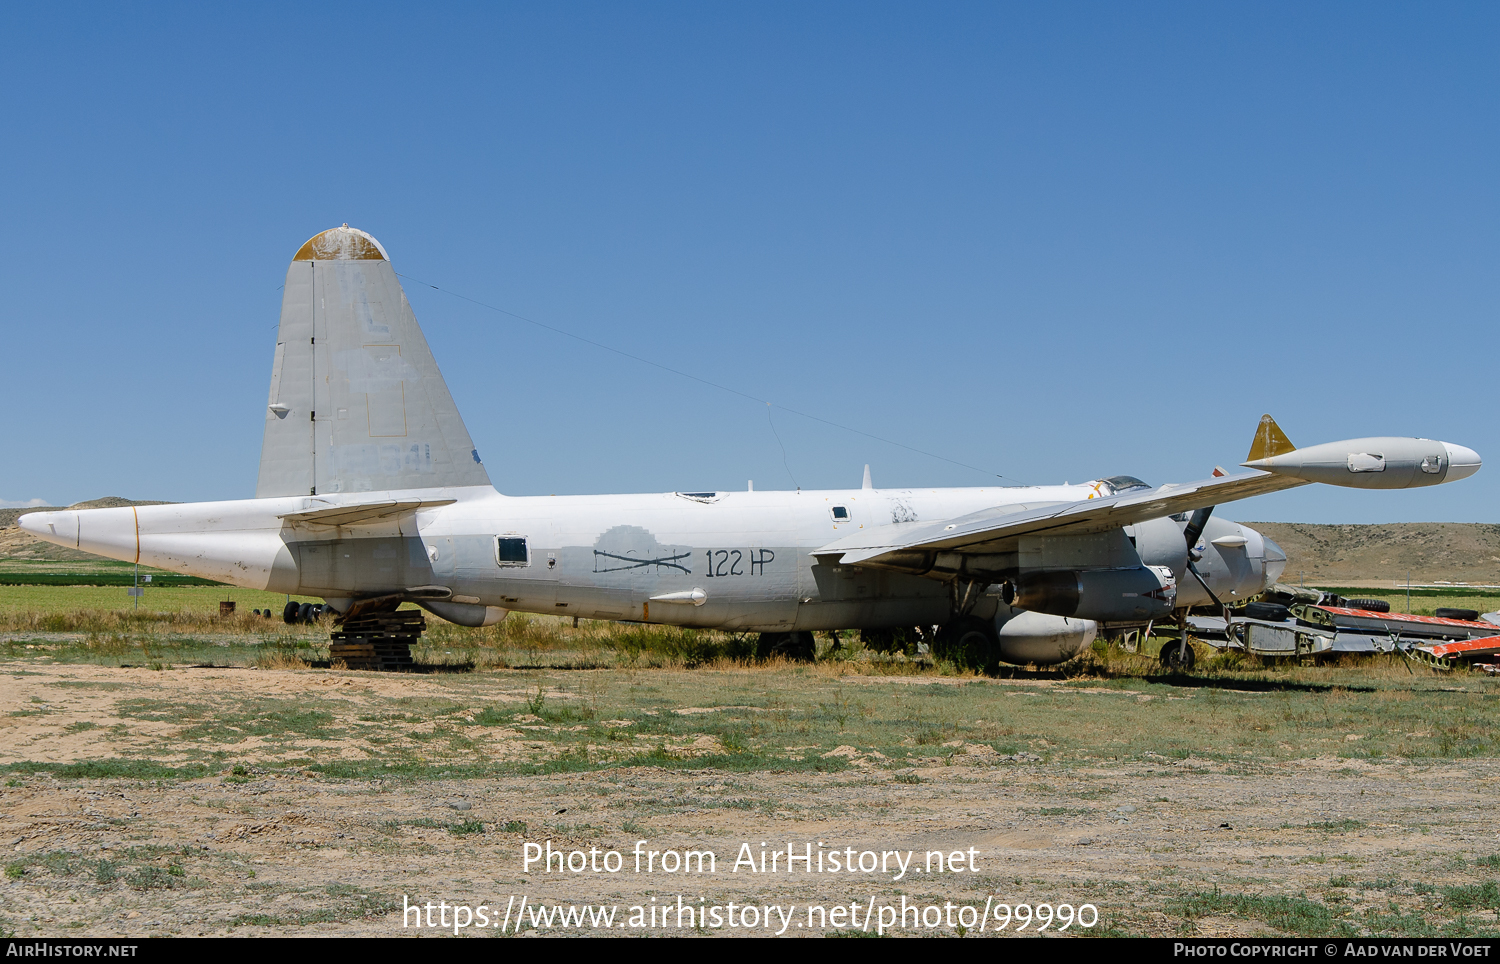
(296, 612)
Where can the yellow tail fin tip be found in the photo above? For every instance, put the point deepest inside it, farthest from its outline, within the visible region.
(1269, 441)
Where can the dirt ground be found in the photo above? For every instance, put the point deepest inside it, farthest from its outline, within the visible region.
(210, 801)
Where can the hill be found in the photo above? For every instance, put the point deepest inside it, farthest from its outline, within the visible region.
(1381, 555)
(16, 544)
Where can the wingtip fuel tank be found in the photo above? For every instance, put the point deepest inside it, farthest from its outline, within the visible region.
(1374, 463)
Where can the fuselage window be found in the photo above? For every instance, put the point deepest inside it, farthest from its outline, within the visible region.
(511, 551)
(840, 514)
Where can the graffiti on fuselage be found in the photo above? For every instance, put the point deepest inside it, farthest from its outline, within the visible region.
(634, 549)
(631, 562)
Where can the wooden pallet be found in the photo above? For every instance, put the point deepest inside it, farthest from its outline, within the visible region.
(383, 654)
(411, 623)
(378, 641)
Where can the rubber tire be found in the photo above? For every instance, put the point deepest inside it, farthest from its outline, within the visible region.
(1371, 605)
(1271, 612)
(969, 643)
(1169, 657)
(289, 614)
(305, 613)
(1468, 615)
(797, 647)
(897, 639)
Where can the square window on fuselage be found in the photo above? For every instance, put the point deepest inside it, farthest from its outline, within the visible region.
(511, 551)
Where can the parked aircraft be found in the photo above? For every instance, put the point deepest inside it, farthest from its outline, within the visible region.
(371, 494)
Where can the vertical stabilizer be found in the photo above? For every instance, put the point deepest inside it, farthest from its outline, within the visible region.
(357, 403)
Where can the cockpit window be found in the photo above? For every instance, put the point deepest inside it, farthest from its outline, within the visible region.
(1124, 483)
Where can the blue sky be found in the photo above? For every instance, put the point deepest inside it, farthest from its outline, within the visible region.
(1053, 242)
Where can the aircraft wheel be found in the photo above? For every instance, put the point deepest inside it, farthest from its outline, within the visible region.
(289, 614)
(883, 640)
(798, 647)
(1175, 659)
(1271, 612)
(970, 643)
(305, 613)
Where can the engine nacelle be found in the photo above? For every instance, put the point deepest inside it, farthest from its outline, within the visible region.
(1112, 595)
(1031, 637)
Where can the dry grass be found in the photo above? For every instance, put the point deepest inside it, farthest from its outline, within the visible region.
(281, 659)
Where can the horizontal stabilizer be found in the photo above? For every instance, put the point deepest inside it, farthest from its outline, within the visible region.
(351, 513)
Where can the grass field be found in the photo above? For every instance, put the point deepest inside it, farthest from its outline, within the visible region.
(174, 772)
(585, 720)
(180, 628)
(176, 601)
(1423, 602)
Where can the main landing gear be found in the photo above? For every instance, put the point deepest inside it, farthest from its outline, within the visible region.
(1177, 657)
(797, 647)
(969, 643)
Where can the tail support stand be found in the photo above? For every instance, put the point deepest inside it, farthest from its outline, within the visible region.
(377, 640)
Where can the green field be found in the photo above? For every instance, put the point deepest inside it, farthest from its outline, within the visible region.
(108, 599)
(89, 572)
(1423, 602)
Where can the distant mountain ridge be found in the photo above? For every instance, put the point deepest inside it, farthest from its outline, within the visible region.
(1344, 555)
(15, 544)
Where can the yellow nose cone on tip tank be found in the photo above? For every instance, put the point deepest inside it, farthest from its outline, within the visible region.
(341, 244)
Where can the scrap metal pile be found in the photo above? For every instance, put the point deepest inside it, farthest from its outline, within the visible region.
(1295, 622)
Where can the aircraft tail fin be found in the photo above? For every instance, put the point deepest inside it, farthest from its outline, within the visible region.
(1269, 440)
(357, 403)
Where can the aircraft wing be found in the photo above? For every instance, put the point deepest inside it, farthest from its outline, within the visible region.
(996, 530)
(1275, 463)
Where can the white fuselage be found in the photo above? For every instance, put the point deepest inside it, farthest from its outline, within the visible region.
(730, 560)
